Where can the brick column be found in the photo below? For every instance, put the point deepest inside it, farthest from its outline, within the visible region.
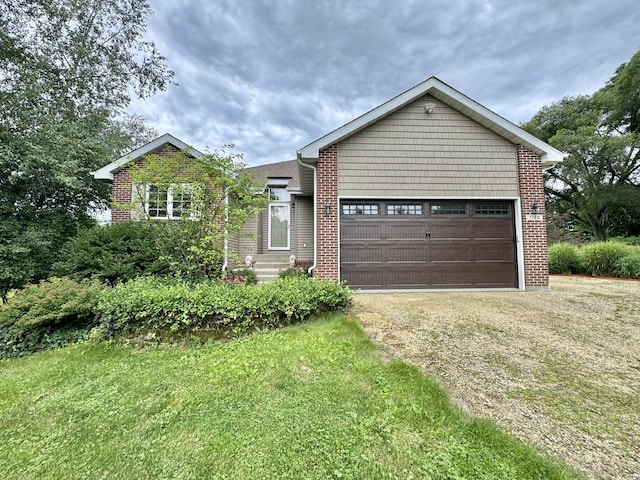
(121, 192)
(327, 228)
(534, 232)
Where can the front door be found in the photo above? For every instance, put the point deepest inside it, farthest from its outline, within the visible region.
(279, 219)
(278, 227)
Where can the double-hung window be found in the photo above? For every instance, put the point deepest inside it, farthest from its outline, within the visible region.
(167, 202)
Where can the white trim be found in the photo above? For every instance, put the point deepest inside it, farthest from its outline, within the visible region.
(443, 92)
(280, 204)
(422, 197)
(106, 172)
(169, 205)
(517, 210)
(315, 219)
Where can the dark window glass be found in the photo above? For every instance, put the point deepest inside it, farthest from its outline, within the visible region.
(158, 201)
(491, 209)
(362, 209)
(449, 209)
(404, 209)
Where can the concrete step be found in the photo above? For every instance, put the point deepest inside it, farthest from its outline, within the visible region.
(269, 265)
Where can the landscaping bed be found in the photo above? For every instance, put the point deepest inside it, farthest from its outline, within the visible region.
(561, 369)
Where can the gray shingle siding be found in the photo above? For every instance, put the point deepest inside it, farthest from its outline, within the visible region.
(412, 153)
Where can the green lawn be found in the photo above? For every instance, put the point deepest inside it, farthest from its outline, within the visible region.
(310, 401)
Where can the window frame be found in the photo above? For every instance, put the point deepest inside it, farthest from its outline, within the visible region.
(361, 209)
(169, 207)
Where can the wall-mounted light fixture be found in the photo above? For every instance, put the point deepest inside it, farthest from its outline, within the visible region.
(327, 209)
(536, 209)
(428, 108)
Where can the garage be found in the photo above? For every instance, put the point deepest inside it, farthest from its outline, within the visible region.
(428, 244)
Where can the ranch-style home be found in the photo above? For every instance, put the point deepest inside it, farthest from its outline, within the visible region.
(429, 190)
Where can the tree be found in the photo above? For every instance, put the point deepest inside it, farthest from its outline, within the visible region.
(66, 72)
(601, 133)
(213, 196)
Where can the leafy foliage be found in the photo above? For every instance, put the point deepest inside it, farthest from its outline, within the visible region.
(156, 303)
(223, 197)
(50, 314)
(113, 253)
(295, 272)
(601, 133)
(67, 72)
(242, 276)
(564, 258)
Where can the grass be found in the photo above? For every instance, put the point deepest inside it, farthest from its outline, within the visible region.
(558, 368)
(312, 401)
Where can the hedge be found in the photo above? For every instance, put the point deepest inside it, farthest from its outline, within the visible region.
(161, 303)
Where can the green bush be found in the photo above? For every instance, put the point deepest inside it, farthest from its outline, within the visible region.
(113, 253)
(602, 258)
(50, 314)
(242, 276)
(295, 272)
(157, 303)
(635, 241)
(629, 266)
(564, 258)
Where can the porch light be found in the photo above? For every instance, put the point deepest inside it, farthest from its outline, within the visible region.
(536, 208)
(327, 209)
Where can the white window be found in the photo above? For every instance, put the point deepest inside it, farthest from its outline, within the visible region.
(166, 202)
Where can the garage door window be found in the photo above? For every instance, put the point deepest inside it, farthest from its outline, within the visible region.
(362, 209)
(491, 210)
(449, 209)
(404, 209)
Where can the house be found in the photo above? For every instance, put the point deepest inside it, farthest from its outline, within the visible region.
(429, 190)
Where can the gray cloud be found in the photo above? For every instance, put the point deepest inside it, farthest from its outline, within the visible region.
(272, 76)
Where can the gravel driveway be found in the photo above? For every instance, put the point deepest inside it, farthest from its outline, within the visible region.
(561, 370)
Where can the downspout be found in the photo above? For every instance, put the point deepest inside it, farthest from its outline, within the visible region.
(226, 231)
(315, 214)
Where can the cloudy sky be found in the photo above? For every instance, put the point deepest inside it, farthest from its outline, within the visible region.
(271, 76)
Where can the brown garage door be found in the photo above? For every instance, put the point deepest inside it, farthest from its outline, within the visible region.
(428, 244)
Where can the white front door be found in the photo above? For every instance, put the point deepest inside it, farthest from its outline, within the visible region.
(279, 231)
(279, 218)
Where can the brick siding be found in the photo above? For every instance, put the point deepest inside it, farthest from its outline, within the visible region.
(121, 190)
(534, 232)
(327, 228)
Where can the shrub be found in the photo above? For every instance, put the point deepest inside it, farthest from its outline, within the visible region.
(628, 266)
(113, 253)
(243, 276)
(564, 258)
(295, 272)
(157, 303)
(602, 258)
(50, 314)
(635, 241)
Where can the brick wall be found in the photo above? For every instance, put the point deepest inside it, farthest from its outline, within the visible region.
(534, 232)
(327, 228)
(121, 190)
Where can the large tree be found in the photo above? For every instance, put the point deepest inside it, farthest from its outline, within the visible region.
(67, 70)
(599, 179)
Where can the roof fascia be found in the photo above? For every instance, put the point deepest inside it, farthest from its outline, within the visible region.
(106, 172)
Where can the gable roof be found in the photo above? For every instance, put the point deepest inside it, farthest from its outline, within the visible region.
(443, 92)
(287, 170)
(106, 172)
